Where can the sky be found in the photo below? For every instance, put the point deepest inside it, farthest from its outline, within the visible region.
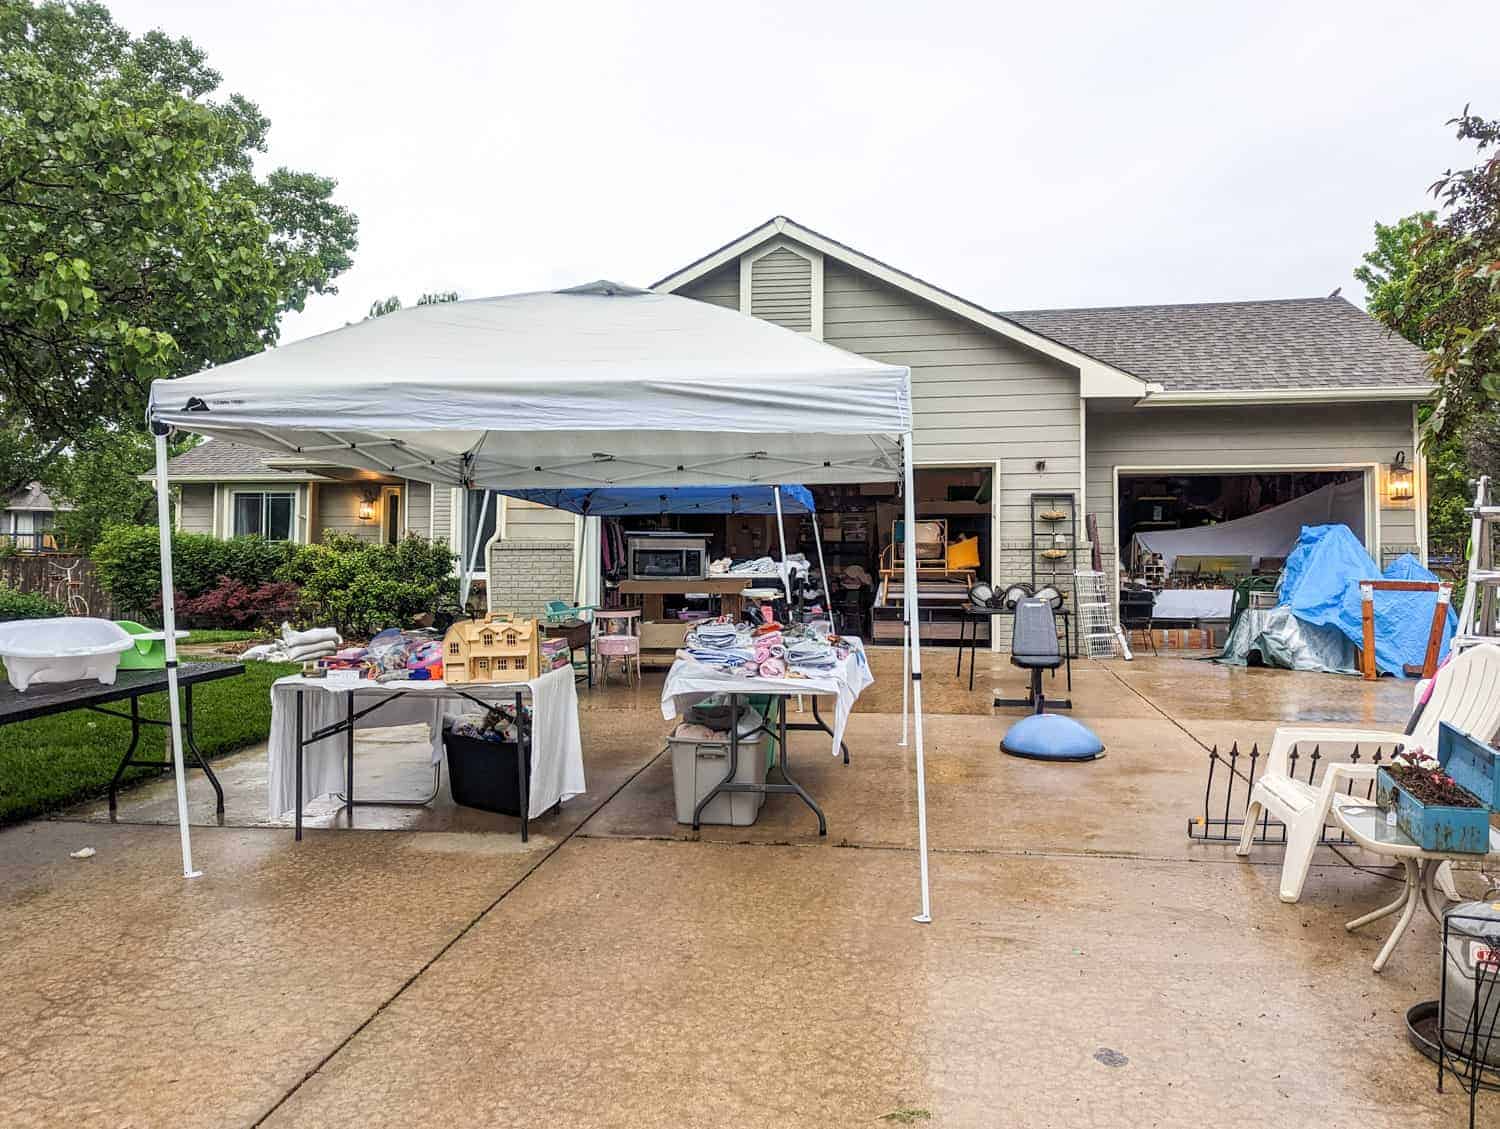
(1022, 156)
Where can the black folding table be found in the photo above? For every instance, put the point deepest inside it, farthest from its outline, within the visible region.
(46, 698)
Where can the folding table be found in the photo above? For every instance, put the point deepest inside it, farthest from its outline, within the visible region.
(45, 698)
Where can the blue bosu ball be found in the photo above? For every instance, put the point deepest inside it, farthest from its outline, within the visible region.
(1051, 737)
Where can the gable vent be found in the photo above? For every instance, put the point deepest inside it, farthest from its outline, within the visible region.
(781, 289)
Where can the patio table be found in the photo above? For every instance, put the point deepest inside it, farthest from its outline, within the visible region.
(306, 712)
(690, 681)
(46, 698)
(1367, 826)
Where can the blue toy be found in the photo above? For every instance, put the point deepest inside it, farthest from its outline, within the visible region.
(1051, 737)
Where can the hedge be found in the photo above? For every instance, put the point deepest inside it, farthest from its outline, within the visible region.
(15, 604)
(128, 562)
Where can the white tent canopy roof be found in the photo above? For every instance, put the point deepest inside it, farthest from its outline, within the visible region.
(598, 385)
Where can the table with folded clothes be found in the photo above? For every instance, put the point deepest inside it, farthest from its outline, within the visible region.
(722, 657)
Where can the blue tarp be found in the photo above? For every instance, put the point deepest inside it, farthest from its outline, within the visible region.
(1321, 587)
(619, 501)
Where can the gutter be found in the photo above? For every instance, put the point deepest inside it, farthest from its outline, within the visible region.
(1368, 394)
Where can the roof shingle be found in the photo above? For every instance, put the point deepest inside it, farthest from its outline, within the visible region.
(1287, 344)
(224, 460)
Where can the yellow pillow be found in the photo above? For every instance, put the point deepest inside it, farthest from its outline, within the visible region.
(964, 553)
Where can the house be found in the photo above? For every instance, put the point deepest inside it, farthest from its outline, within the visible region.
(492, 649)
(27, 522)
(227, 489)
(1143, 414)
(1139, 417)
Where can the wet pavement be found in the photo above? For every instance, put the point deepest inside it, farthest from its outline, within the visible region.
(1087, 965)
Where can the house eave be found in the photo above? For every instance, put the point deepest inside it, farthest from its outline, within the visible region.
(1369, 394)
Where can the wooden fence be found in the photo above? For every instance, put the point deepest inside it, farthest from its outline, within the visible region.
(56, 576)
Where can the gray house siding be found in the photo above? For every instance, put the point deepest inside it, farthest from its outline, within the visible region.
(721, 288)
(338, 512)
(442, 513)
(528, 521)
(195, 508)
(781, 289)
(976, 397)
(1249, 436)
(418, 508)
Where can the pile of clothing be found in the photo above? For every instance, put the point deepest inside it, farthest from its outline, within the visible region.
(768, 650)
(296, 646)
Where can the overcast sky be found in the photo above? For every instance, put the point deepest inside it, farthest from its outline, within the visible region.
(1022, 156)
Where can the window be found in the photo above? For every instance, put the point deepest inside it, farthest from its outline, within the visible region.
(473, 501)
(453, 648)
(488, 639)
(482, 664)
(264, 515)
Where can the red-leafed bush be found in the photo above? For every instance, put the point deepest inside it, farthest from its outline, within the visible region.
(233, 603)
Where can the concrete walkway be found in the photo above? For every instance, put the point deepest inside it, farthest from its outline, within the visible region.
(1088, 965)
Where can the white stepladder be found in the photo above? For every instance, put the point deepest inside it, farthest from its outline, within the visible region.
(1103, 638)
(1477, 619)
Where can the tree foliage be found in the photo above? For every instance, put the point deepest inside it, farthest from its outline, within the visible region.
(1451, 296)
(136, 239)
(390, 305)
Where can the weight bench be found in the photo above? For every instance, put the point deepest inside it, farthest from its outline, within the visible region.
(1034, 647)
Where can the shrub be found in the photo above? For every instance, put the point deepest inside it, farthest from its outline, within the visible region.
(15, 604)
(127, 559)
(361, 588)
(233, 603)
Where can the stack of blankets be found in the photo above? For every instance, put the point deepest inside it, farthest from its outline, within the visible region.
(297, 646)
(767, 651)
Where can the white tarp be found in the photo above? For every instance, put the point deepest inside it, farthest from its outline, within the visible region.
(599, 385)
(1270, 533)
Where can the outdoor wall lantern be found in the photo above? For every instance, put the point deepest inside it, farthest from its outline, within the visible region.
(1398, 483)
(367, 507)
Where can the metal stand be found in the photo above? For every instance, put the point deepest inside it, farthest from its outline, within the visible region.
(129, 761)
(729, 784)
(346, 727)
(976, 614)
(1466, 1043)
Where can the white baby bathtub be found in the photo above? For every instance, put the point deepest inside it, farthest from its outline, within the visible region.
(62, 650)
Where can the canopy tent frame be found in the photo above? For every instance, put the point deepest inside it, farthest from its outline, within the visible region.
(554, 372)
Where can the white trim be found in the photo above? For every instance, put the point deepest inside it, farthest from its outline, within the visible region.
(1181, 399)
(1095, 377)
(995, 516)
(1372, 495)
(1081, 508)
(385, 500)
(1419, 476)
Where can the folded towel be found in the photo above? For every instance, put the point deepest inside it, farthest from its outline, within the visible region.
(312, 635)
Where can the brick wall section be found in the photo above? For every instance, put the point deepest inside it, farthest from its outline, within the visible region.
(525, 575)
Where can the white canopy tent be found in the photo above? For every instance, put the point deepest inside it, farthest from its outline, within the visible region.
(600, 385)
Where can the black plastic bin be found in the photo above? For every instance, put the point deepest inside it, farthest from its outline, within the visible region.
(482, 774)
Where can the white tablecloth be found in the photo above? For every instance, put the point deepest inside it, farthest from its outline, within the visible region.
(689, 681)
(556, 748)
(1194, 603)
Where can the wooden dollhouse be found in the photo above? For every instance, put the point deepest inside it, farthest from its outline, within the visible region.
(497, 648)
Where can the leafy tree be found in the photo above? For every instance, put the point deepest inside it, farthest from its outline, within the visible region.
(1387, 269)
(136, 240)
(99, 477)
(1452, 293)
(393, 303)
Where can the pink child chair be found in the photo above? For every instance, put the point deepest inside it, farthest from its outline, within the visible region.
(617, 635)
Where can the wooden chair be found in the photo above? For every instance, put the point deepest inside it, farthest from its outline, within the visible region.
(617, 635)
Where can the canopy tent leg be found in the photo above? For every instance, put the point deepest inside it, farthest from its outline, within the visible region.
(905, 669)
(169, 626)
(466, 576)
(823, 572)
(786, 576)
(915, 651)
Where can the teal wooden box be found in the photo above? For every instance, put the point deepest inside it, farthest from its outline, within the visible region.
(1474, 767)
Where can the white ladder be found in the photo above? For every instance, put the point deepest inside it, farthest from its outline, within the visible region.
(1101, 632)
(1476, 622)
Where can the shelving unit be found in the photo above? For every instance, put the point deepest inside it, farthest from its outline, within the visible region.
(1054, 535)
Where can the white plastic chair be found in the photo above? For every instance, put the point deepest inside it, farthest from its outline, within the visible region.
(1465, 694)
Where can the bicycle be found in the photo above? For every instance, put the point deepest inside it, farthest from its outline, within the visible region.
(66, 588)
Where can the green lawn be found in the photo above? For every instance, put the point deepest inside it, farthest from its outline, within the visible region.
(55, 761)
(210, 635)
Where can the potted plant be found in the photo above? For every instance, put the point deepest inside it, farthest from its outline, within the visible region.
(1434, 798)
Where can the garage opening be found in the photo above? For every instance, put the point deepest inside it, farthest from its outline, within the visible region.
(1191, 538)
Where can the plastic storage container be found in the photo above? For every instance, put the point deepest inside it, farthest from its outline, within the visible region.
(68, 649)
(698, 766)
(482, 774)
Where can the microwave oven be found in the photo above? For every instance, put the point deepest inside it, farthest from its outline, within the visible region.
(676, 557)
